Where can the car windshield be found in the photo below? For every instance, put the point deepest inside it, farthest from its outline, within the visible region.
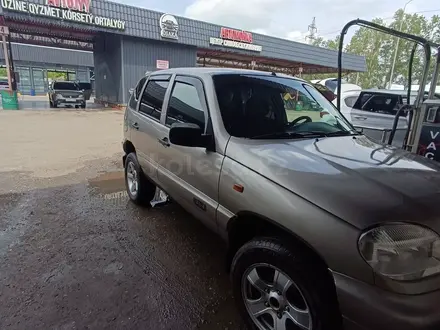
(66, 86)
(260, 106)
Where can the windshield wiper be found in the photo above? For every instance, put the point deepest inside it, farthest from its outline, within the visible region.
(305, 134)
(287, 135)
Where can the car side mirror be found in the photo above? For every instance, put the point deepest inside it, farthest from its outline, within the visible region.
(188, 135)
(131, 90)
(360, 130)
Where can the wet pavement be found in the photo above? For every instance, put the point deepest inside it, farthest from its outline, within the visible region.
(82, 256)
(76, 254)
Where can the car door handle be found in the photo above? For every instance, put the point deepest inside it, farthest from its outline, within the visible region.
(135, 125)
(164, 142)
(360, 117)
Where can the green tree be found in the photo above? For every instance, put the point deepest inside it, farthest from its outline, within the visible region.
(379, 50)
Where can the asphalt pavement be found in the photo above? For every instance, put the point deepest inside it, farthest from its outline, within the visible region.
(76, 254)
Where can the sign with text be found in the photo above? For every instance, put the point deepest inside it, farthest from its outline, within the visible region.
(70, 10)
(162, 64)
(235, 39)
(429, 144)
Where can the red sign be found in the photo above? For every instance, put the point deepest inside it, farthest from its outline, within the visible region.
(78, 5)
(236, 35)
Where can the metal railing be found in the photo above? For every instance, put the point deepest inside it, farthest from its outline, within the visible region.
(385, 131)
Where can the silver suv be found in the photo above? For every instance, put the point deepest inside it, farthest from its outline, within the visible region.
(66, 93)
(325, 228)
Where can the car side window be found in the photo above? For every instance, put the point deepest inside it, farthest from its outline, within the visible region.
(153, 97)
(185, 105)
(135, 96)
(350, 101)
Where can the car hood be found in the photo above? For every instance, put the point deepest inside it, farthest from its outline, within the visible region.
(352, 177)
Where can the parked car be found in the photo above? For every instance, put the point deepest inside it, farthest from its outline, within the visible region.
(4, 85)
(325, 228)
(66, 93)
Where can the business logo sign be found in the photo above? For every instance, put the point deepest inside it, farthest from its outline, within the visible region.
(169, 28)
(235, 39)
(69, 10)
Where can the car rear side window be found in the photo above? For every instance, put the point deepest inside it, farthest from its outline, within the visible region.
(135, 96)
(152, 98)
(185, 105)
(350, 101)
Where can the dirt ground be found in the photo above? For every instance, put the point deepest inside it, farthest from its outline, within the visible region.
(76, 254)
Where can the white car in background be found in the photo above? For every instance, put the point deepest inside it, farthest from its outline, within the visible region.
(374, 109)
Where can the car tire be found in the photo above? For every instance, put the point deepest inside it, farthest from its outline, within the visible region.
(54, 104)
(50, 103)
(83, 106)
(140, 190)
(309, 299)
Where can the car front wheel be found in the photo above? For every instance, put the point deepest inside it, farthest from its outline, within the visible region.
(278, 287)
(140, 190)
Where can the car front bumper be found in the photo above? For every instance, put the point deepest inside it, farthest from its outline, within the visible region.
(366, 307)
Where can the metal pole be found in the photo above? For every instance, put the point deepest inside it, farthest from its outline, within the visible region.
(14, 82)
(397, 46)
(8, 70)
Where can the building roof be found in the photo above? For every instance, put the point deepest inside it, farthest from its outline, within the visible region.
(144, 23)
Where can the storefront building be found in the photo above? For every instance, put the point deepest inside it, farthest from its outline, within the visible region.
(37, 66)
(127, 41)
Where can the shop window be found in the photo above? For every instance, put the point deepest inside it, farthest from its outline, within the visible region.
(185, 106)
(152, 98)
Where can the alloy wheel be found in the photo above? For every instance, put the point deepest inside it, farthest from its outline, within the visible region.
(132, 179)
(273, 300)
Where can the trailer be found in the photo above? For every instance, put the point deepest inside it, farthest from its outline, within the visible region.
(423, 132)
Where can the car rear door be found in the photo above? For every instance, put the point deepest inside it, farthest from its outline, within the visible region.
(189, 174)
(145, 123)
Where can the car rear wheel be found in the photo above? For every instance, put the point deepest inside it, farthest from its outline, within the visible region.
(278, 287)
(140, 190)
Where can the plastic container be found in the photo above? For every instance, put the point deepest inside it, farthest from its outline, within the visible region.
(9, 100)
(32, 92)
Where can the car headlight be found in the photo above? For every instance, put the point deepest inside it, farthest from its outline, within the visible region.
(59, 96)
(402, 252)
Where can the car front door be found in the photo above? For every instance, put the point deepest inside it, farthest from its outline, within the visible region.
(189, 174)
(145, 123)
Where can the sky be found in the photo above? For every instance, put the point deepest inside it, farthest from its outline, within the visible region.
(286, 18)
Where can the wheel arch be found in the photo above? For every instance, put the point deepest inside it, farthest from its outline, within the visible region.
(246, 225)
(128, 148)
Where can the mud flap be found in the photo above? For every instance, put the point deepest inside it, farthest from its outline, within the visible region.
(160, 198)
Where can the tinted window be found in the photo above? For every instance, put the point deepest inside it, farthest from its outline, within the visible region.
(350, 101)
(152, 98)
(185, 106)
(84, 85)
(382, 103)
(65, 86)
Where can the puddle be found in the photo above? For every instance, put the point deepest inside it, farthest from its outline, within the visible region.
(109, 186)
